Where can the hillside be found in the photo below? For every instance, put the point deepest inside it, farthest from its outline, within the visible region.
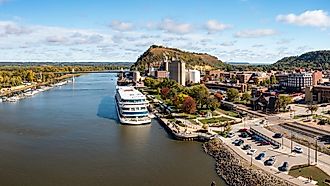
(316, 59)
(155, 56)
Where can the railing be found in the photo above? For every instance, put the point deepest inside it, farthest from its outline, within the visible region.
(272, 141)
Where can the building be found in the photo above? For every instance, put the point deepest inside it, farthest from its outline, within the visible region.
(224, 86)
(299, 81)
(318, 94)
(282, 79)
(267, 104)
(193, 76)
(136, 76)
(177, 70)
(317, 77)
(161, 74)
(243, 77)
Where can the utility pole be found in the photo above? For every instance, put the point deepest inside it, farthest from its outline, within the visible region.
(251, 159)
(309, 160)
(315, 150)
(291, 141)
(282, 142)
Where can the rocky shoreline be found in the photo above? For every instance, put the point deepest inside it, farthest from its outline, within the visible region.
(237, 171)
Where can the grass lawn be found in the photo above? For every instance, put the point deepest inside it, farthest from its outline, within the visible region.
(229, 113)
(301, 116)
(307, 171)
(215, 120)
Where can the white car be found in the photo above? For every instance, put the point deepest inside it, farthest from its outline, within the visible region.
(252, 151)
(230, 135)
(297, 149)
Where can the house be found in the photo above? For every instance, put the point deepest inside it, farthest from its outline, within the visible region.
(267, 104)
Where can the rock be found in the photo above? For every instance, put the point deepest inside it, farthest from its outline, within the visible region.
(235, 170)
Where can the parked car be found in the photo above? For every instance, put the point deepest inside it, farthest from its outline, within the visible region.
(252, 151)
(230, 135)
(241, 142)
(284, 167)
(270, 161)
(235, 141)
(243, 130)
(244, 135)
(265, 143)
(278, 135)
(261, 156)
(297, 149)
(246, 147)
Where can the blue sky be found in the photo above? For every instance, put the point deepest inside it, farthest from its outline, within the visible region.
(232, 30)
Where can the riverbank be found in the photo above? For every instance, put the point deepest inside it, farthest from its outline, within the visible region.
(16, 94)
(237, 171)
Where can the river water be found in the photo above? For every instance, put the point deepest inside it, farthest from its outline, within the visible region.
(71, 136)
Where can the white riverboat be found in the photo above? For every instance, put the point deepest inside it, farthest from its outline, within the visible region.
(131, 106)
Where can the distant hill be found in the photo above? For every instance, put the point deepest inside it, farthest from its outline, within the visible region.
(155, 56)
(316, 59)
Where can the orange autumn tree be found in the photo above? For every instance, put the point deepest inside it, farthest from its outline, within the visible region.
(189, 105)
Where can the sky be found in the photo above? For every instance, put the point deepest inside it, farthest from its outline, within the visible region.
(256, 31)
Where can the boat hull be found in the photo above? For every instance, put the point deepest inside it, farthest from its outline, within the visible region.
(131, 122)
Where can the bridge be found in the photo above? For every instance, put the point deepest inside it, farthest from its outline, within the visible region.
(88, 72)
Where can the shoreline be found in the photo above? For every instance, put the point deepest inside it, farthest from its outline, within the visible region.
(234, 170)
(31, 90)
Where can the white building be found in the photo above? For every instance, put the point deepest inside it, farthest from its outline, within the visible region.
(300, 80)
(193, 76)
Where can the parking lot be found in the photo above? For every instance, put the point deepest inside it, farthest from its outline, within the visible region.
(282, 154)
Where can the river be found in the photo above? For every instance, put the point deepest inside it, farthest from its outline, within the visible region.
(70, 135)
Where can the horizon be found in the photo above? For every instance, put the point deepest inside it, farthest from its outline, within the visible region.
(99, 31)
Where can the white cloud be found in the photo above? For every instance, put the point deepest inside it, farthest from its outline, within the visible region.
(315, 18)
(10, 28)
(168, 25)
(215, 26)
(76, 38)
(228, 43)
(121, 26)
(255, 33)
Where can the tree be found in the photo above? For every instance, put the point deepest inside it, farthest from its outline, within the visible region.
(200, 93)
(246, 96)
(312, 108)
(232, 94)
(179, 99)
(284, 101)
(212, 103)
(273, 79)
(164, 92)
(218, 96)
(30, 76)
(189, 105)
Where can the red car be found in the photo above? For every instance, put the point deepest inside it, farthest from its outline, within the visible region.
(243, 130)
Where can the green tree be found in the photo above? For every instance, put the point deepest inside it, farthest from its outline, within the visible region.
(179, 99)
(312, 108)
(212, 103)
(200, 93)
(232, 94)
(30, 76)
(246, 96)
(284, 101)
(273, 79)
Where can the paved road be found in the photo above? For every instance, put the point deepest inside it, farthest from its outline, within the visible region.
(281, 156)
(323, 159)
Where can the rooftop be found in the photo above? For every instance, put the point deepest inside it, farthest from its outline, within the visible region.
(129, 93)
